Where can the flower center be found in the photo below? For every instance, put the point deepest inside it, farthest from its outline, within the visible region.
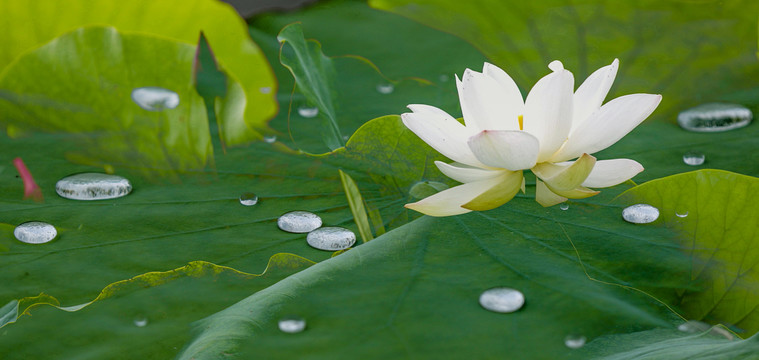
(521, 122)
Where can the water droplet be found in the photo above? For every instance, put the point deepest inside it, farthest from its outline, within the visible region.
(270, 139)
(35, 232)
(575, 341)
(694, 158)
(714, 117)
(140, 321)
(385, 88)
(299, 222)
(564, 206)
(265, 90)
(308, 112)
(681, 214)
(640, 214)
(93, 186)
(155, 98)
(331, 238)
(248, 199)
(346, 137)
(443, 78)
(502, 300)
(292, 324)
(423, 189)
(692, 326)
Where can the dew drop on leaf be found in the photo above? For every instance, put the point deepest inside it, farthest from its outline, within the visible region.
(502, 300)
(299, 222)
(265, 90)
(308, 112)
(35, 232)
(270, 139)
(248, 199)
(331, 238)
(640, 214)
(714, 117)
(153, 98)
(140, 321)
(694, 158)
(692, 326)
(292, 324)
(563, 206)
(385, 88)
(575, 341)
(93, 186)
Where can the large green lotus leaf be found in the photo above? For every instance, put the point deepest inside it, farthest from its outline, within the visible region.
(717, 221)
(148, 314)
(668, 344)
(414, 291)
(427, 266)
(27, 25)
(82, 84)
(689, 51)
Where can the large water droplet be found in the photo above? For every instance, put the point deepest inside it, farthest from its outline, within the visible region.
(93, 186)
(502, 300)
(270, 139)
(640, 214)
(694, 158)
(681, 214)
(564, 206)
(140, 321)
(248, 199)
(35, 232)
(385, 88)
(423, 189)
(155, 98)
(331, 238)
(714, 117)
(308, 112)
(292, 324)
(299, 222)
(575, 341)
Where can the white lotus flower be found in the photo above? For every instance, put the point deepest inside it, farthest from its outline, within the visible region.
(505, 135)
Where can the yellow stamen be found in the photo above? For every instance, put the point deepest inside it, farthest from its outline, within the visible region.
(521, 122)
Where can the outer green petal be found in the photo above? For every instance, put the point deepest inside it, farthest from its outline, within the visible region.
(544, 196)
(503, 192)
(565, 177)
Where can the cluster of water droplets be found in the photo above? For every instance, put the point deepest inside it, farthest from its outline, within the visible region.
(712, 117)
(85, 187)
(330, 238)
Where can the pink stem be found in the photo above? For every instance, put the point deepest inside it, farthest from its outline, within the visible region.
(31, 189)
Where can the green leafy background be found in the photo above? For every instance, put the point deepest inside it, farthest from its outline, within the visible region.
(192, 251)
